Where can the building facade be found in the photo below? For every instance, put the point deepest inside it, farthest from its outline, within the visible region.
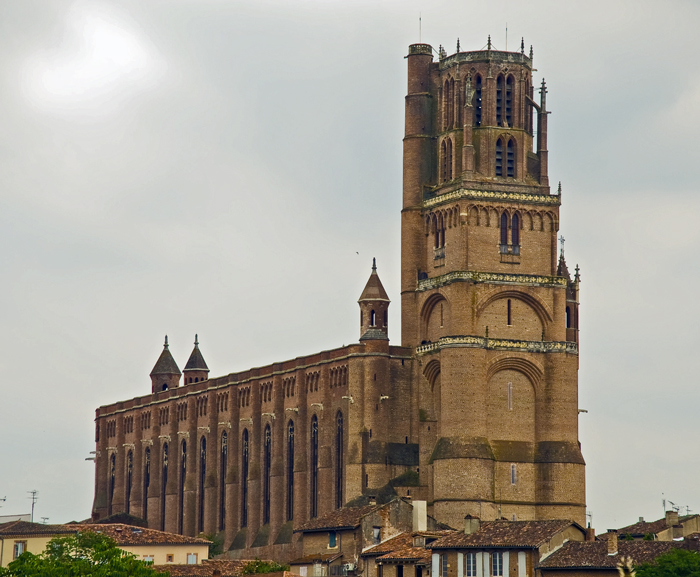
(476, 412)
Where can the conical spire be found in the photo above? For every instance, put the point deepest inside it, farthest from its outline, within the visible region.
(165, 365)
(196, 361)
(562, 269)
(374, 291)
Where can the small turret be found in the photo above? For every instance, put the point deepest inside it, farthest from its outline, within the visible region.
(165, 374)
(196, 368)
(374, 308)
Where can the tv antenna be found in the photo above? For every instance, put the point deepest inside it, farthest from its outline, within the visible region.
(506, 36)
(44, 519)
(34, 497)
(420, 26)
(589, 514)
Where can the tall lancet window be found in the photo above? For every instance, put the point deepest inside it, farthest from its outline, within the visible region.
(290, 471)
(510, 158)
(112, 475)
(146, 480)
(129, 479)
(504, 229)
(244, 478)
(510, 89)
(181, 487)
(267, 463)
(515, 231)
(222, 481)
(313, 485)
(202, 477)
(499, 100)
(339, 438)
(499, 157)
(163, 485)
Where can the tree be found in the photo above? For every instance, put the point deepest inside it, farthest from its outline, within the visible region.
(82, 554)
(257, 566)
(675, 563)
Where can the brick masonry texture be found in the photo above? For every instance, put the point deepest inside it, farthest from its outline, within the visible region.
(477, 410)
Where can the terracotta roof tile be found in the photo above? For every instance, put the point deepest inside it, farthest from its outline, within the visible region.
(408, 553)
(642, 528)
(130, 535)
(345, 518)
(28, 528)
(503, 534)
(227, 567)
(402, 541)
(594, 554)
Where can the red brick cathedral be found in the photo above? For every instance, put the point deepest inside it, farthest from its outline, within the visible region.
(477, 410)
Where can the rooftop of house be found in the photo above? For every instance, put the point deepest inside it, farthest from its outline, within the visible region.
(130, 535)
(402, 541)
(22, 528)
(496, 534)
(226, 568)
(642, 527)
(345, 518)
(594, 554)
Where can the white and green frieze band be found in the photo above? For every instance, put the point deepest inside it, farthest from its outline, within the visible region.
(490, 277)
(517, 197)
(499, 344)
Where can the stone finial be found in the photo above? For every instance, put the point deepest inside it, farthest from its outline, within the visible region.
(196, 340)
(577, 276)
(374, 263)
(165, 345)
(559, 188)
(522, 45)
(489, 43)
(457, 44)
(530, 51)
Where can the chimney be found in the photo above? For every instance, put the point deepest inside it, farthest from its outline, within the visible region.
(471, 524)
(671, 518)
(641, 519)
(420, 515)
(612, 542)
(590, 534)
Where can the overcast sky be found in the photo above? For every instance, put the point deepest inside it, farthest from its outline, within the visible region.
(208, 166)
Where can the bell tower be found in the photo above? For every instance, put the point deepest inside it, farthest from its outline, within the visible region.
(483, 302)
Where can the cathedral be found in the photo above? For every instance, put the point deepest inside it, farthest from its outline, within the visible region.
(475, 411)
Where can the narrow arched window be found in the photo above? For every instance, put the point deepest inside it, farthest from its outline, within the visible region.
(510, 158)
(373, 319)
(244, 478)
(313, 485)
(568, 318)
(446, 105)
(504, 229)
(451, 105)
(181, 487)
(515, 231)
(202, 476)
(499, 100)
(146, 480)
(290, 471)
(449, 159)
(112, 474)
(222, 481)
(386, 318)
(443, 172)
(510, 89)
(129, 479)
(339, 443)
(508, 314)
(267, 462)
(528, 107)
(499, 157)
(477, 100)
(163, 485)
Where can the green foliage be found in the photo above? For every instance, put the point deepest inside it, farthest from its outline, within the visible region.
(217, 543)
(675, 563)
(648, 537)
(259, 566)
(628, 537)
(83, 554)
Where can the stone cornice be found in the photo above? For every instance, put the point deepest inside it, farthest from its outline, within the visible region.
(488, 195)
(491, 278)
(499, 344)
